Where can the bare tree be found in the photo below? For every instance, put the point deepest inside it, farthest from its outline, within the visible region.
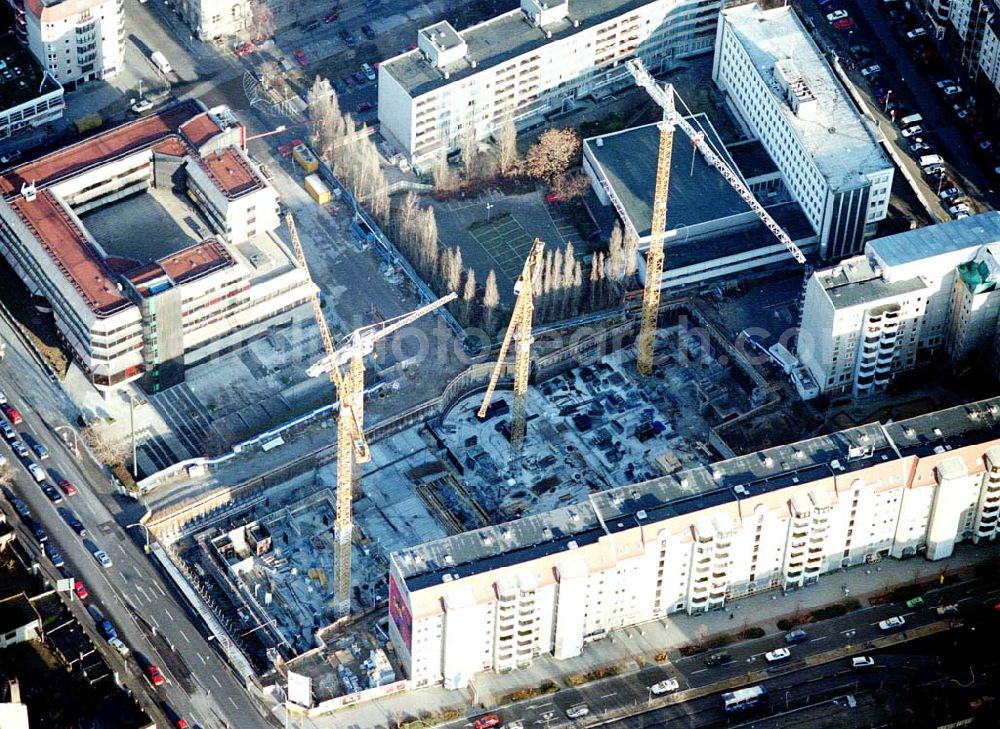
(445, 179)
(321, 109)
(6, 474)
(616, 254)
(405, 219)
(451, 269)
(577, 289)
(108, 448)
(469, 151)
(428, 243)
(597, 281)
(469, 296)
(262, 20)
(570, 185)
(507, 160)
(566, 294)
(555, 152)
(630, 251)
(491, 302)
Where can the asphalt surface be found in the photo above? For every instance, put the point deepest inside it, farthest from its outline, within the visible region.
(148, 616)
(851, 633)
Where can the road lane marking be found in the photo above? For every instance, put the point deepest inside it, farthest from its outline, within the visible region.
(216, 679)
(124, 578)
(168, 614)
(608, 696)
(184, 636)
(161, 590)
(822, 637)
(699, 671)
(232, 702)
(203, 659)
(153, 620)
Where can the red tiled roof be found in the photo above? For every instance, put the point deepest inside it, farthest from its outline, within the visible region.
(196, 261)
(71, 251)
(230, 173)
(97, 150)
(200, 129)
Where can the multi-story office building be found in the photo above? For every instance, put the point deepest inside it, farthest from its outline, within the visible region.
(210, 19)
(781, 87)
(29, 97)
(527, 64)
(76, 40)
(496, 598)
(907, 299)
(977, 23)
(712, 233)
(201, 271)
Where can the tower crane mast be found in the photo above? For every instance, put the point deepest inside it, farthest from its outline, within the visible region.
(352, 446)
(664, 96)
(519, 332)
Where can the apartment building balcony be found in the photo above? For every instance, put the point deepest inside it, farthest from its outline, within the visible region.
(793, 575)
(882, 380)
(800, 535)
(797, 545)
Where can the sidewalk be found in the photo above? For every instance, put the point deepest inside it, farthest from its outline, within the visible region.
(633, 648)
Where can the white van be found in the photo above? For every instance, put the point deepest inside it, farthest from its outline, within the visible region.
(161, 62)
(929, 160)
(909, 121)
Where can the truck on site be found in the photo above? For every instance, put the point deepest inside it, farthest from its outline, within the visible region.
(161, 62)
(317, 189)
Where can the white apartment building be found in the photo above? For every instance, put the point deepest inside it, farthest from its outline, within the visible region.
(908, 298)
(781, 87)
(128, 312)
(495, 598)
(528, 64)
(210, 19)
(77, 40)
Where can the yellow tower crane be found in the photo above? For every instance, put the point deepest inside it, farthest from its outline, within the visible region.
(664, 96)
(352, 446)
(519, 331)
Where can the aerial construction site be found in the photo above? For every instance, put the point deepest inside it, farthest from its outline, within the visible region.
(298, 567)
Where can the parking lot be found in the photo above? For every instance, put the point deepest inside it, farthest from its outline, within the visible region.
(922, 102)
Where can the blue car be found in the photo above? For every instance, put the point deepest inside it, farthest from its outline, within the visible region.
(107, 629)
(53, 554)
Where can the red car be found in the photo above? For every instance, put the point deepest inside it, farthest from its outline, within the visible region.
(551, 197)
(285, 150)
(300, 56)
(486, 722)
(12, 414)
(364, 106)
(844, 24)
(244, 50)
(154, 675)
(331, 17)
(68, 488)
(181, 724)
(80, 590)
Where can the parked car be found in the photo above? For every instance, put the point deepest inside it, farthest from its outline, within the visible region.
(844, 24)
(72, 521)
(10, 157)
(51, 493)
(300, 57)
(577, 711)
(37, 472)
(154, 675)
(486, 722)
(102, 557)
(912, 131)
(339, 86)
(778, 654)
(37, 530)
(359, 78)
(369, 33)
(916, 34)
(837, 15)
(80, 590)
(348, 38)
(364, 106)
(368, 71)
(958, 209)
(947, 609)
(68, 488)
(54, 557)
(949, 192)
(19, 506)
(717, 659)
(107, 629)
(920, 148)
(915, 602)
(951, 90)
(244, 49)
(8, 432)
(141, 105)
(871, 70)
(665, 686)
(20, 449)
(11, 413)
(893, 623)
(119, 646)
(862, 662)
(41, 451)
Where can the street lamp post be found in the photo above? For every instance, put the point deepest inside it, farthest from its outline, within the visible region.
(145, 529)
(62, 430)
(489, 206)
(131, 420)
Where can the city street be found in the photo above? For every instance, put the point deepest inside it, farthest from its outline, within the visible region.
(149, 618)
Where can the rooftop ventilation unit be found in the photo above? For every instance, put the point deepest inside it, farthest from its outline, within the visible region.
(795, 89)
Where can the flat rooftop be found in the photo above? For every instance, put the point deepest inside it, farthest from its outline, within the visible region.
(698, 488)
(698, 193)
(752, 160)
(500, 39)
(935, 240)
(835, 135)
(21, 77)
(230, 172)
(854, 281)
